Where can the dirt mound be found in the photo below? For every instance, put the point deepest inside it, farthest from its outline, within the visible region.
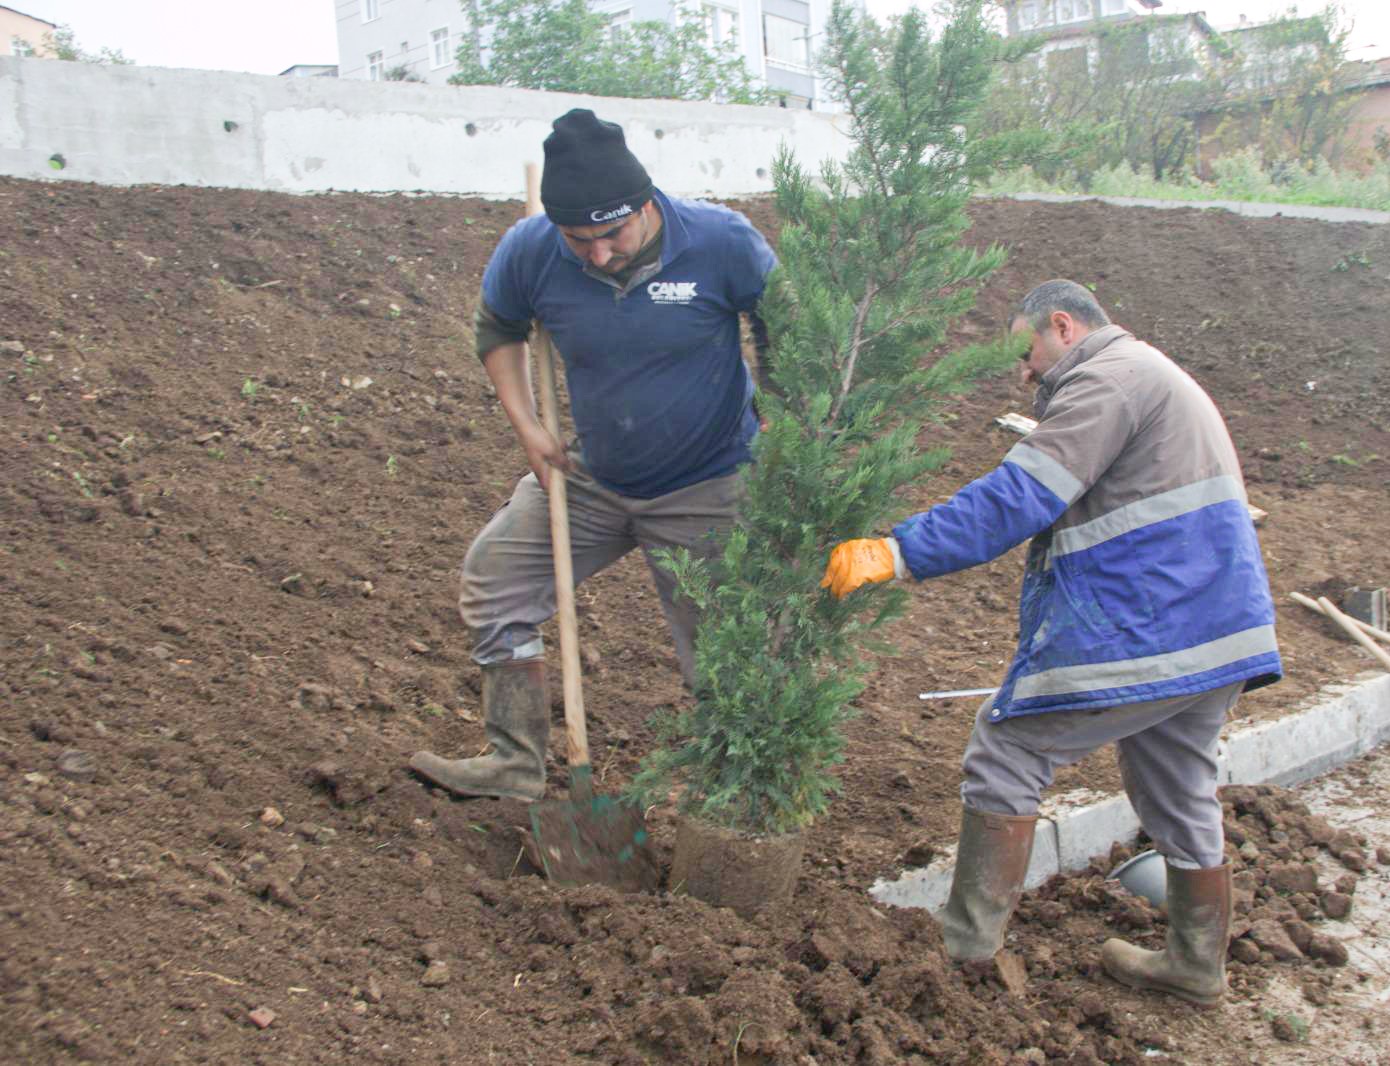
(246, 444)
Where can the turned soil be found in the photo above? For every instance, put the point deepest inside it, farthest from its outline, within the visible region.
(246, 444)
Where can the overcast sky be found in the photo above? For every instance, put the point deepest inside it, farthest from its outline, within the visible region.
(266, 36)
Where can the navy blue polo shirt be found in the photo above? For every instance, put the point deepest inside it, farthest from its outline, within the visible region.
(659, 392)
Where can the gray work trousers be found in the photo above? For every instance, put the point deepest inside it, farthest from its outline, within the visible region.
(1167, 752)
(507, 583)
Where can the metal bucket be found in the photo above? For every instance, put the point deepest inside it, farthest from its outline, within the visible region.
(1145, 875)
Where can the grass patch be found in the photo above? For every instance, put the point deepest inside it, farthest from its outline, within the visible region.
(1240, 176)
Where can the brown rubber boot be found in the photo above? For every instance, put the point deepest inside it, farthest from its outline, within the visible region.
(1193, 965)
(516, 718)
(991, 861)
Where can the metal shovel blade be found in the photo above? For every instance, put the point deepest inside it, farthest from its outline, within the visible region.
(590, 839)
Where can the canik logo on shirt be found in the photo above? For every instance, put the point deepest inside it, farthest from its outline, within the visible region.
(671, 292)
(609, 216)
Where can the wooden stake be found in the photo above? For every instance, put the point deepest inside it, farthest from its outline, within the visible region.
(1365, 627)
(1349, 625)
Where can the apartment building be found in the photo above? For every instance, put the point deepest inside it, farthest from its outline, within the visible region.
(417, 40)
(1033, 16)
(23, 35)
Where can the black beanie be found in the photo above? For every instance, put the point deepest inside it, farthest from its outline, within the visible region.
(590, 177)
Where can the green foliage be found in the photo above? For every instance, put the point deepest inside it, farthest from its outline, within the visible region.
(1135, 95)
(61, 43)
(563, 46)
(1239, 176)
(872, 271)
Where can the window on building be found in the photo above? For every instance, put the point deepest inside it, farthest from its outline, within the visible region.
(618, 21)
(721, 24)
(20, 47)
(1027, 15)
(1116, 7)
(376, 66)
(786, 43)
(439, 47)
(371, 10)
(1073, 10)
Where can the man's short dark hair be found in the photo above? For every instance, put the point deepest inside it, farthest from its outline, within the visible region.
(1061, 295)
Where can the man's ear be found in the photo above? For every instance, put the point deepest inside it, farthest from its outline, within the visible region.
(1065, 327)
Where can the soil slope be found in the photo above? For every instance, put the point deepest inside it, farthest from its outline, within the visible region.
(246, 444)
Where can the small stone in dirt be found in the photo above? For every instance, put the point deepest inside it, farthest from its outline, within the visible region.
(372, 993)
(743, 954)
(174, 627)
(277, 889)
(1353, 859)
(261, 1017)
(77, 765)
(1269, 935)
(433, 896)
(220, 874)
(1289, 1028)
(1328, 948)
(162, 652)
(1011, 972)
(12, 346)
(1300, 932)
(589, 658)
(431, 951)
(1136, 913)
(1249, 852)
(1346, 884)
(1092, 1006)
(1316, 993)
(1336, 905)
(919, 854)
(1383, 856)
(1245, 951)
(436, 974)
(314, 697)
(49, 731)
(272, 818)
(1319, 829)
(419, 647)
(1291, 877)
(902, 780)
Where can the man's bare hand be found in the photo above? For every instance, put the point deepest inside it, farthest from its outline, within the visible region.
(543, 453)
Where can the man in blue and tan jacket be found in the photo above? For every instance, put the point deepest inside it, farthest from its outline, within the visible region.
(1145, 612)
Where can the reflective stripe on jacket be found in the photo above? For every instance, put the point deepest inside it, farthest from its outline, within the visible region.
(1144, 577)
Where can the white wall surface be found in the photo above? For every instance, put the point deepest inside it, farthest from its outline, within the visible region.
(129, 125)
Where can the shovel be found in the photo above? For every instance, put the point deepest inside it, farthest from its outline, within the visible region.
(588, 838)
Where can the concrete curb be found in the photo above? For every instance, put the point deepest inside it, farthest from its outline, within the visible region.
(1347, 721)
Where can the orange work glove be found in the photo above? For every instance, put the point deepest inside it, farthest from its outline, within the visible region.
(861, 562)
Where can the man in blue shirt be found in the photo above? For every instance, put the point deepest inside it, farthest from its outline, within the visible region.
(641, 294)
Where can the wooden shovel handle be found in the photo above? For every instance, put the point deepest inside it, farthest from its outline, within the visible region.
(1355, 634)
(576, 732)
(1365, 627)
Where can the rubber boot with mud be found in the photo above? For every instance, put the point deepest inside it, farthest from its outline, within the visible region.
(991, 861)
(1193, 964)
(516, 719)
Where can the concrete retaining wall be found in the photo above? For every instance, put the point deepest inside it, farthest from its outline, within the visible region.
(129, 125)
(1345, 722)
